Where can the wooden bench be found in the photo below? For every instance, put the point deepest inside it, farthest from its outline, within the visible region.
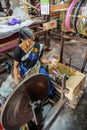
(8, 43)
(11, 42)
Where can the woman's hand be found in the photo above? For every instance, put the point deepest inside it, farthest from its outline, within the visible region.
(18, 79)
(54, 62)
(50, 61)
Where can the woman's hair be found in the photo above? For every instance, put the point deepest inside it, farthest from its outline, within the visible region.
(19, 41)
(26, 33)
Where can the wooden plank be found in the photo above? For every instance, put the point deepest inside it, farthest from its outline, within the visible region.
(56, 7)
(9, 45)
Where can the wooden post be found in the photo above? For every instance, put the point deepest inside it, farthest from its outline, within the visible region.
(61, 47)
(63, 87)
(62, 40)
(48, 32)
(84, 63)
(1, 9)
(9, 11)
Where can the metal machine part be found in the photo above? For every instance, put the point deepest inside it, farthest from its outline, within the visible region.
(18, 108)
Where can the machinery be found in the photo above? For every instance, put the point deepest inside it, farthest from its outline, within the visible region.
(30, 100)
(27, 102)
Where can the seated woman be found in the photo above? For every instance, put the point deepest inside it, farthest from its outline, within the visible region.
(26, 56)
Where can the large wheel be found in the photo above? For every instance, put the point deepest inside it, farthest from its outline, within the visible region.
(69, 13)
(75, 18)
(17, 110)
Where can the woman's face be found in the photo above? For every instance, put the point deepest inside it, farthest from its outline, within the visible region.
(29, 42)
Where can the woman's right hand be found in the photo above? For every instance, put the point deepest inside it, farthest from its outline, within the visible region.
(17, 80)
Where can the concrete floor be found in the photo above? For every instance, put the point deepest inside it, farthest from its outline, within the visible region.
(70, 119)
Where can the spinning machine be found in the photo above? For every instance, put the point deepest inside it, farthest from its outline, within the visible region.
(30, 100)
(27, 102)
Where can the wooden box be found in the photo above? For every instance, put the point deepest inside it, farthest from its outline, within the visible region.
(74, 85)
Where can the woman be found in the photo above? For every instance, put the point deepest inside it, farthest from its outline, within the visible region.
(27, 54)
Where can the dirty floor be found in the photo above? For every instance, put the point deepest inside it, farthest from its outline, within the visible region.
(70, 119)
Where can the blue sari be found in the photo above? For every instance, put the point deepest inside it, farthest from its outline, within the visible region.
(32, 58)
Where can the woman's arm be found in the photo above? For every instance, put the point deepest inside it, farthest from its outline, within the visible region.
(44, 61)
(17, 77)
(51, 61)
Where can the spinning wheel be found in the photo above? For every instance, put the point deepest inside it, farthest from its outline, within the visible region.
(17, 110)
(80, 18)
(68, 14)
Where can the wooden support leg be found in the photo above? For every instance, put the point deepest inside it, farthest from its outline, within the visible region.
(61, 47)
(84, 63)
(63, 87)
